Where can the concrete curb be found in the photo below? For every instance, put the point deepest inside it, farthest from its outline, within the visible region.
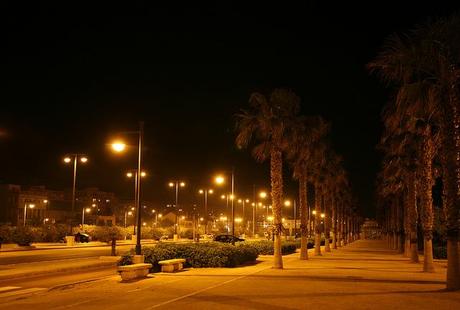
(18, 273)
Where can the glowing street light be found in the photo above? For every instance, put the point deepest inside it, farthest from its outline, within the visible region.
(206, 192)
(263, 195)
(75, 158)
(119, 146)
(30, 206)
(176, 184)
(220, 180)
(83, 211)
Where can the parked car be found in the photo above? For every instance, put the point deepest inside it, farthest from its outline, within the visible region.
(227, 239)
(82, 237)
(164, 237)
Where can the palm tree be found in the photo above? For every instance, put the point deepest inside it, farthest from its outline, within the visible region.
(308, 132)
(269, 123)
(425, 68)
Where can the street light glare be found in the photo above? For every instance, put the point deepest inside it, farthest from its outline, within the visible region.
(222, 197)
(45, 201)
(287, 203)
(88, 210)
(263, 195)
(182, 184)
(219, 179)
(129, 174)
(143, 174)
(84, 159)
(31, 206)
(171, 184)
(210, 191)
(118, 146)
(67, 160)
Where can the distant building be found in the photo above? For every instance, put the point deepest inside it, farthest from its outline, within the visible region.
(41, 205)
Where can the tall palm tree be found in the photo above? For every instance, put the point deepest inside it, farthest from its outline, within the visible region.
(308, 132)
(268, 122)
(425, 67)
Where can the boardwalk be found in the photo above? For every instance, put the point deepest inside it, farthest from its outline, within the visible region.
(362, 275)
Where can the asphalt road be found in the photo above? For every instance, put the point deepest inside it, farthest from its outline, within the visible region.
(20, 257)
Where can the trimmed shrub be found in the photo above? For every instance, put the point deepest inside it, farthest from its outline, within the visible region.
(197, 255)
(23, 235)
(6, 234)
(265, 247)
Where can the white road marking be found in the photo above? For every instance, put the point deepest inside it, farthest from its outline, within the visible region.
(8, 288)
(22, 292)
(205, 289)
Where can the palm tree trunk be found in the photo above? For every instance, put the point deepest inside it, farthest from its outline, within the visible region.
(317, 221)
(427, 203)
(339, 224)
(327, 246)
(276, 173)
(303, 217)
(406, 227)
(451, 184)
(334, 223)
(412, 205)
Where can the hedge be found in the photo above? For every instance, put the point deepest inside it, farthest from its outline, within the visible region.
(197, 255)
(265, 247)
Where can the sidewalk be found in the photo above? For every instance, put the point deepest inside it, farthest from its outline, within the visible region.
(9, 272)
(362, 275)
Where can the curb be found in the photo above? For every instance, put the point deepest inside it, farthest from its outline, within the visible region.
(25, 273)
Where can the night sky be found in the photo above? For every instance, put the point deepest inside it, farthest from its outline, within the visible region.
(74, 75)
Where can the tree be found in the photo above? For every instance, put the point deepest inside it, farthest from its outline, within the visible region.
(269, 122)
(425, 70)
(308, 131)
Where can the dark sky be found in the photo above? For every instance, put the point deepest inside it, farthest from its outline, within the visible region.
(75, 74)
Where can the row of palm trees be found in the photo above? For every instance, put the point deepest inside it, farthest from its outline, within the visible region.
(421, 139)
(273, 126)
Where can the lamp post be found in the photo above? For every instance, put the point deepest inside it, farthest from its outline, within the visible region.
(119, 146)
(126, 215)
(74, 158)
(83, 211)
(130, 174)
(31, 206)
(287, 203)
(176, 184)
(206, 192)
(221, 180)
(243, 202)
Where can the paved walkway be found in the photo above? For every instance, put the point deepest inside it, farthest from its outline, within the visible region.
(362, 275)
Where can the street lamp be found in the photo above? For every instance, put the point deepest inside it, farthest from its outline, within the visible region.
(69, 159)
(31, 206)
(176, 185)
(126, 215)
(220, 180)
(133, 174)
(120, 146)
(205, 192)
(287, 203)
(83, 211)
(243, 202)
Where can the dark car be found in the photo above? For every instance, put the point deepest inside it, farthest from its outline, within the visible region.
(82, 237)
(227, 239)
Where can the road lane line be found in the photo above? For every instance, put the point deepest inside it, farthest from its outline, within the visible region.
(22, 292)
(8, 288)
(206, 289)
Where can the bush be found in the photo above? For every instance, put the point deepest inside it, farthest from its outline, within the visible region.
(23, 235)
(265, 247)
(6, 234)
(197, 255)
